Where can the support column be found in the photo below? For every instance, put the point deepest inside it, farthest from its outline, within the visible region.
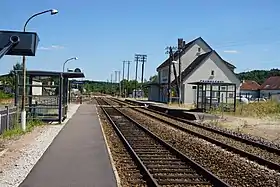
(60, 99)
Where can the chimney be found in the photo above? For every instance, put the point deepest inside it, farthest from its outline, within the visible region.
(180, 43)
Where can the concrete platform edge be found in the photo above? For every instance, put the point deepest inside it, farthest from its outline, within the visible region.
(109, 151)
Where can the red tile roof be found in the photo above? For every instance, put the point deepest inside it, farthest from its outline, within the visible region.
(250, 85)
(272, 83)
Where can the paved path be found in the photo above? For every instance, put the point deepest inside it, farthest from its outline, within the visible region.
(76, 158)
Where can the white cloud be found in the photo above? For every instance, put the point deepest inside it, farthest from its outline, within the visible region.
(44, 48)
(230, 51)
(57, 47)
(53, 47)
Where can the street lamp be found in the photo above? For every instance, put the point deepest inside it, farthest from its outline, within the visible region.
(74, 58)
(23, 112)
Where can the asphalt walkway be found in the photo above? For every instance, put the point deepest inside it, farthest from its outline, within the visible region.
(77, 157)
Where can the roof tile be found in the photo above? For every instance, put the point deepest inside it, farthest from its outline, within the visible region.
(249, 85)
(272, 83)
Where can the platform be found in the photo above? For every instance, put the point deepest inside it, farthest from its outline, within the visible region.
(77, 157)
(174, 111)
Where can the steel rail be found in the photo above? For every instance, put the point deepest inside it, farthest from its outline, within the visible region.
(211, 177)
(260, 160)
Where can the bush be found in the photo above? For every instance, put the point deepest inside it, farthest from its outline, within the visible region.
(259, 109)
(4, 95)
(256, 109)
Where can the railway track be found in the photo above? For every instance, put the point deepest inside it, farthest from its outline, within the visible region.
(255, 151)
(159, 162)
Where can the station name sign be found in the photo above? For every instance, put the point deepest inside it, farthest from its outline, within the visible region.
(77, 82)
(211, 81)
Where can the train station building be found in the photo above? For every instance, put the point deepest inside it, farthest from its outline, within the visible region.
(199, 64)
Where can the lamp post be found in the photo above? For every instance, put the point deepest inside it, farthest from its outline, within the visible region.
(74, 58)
(23, 112)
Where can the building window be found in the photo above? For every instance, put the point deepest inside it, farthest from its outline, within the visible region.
(230, 95)
(223, 88)
(193, 87)
(198, 49)
(212, 72)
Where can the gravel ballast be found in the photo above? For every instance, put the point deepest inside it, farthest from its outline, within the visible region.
(227, 140)
(126, 168)
(16, 171)
(229, 167)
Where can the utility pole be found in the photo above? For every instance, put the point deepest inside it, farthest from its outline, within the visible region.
(116, 76)
(111, 83)
(128, 67)
(123, 86)
(169, 50)
(123, 75)
(181, 46)
(120, 86)
(143, 59)
(137, 58)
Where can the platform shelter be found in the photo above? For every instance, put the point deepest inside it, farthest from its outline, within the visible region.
(46, 94)
(211, 95)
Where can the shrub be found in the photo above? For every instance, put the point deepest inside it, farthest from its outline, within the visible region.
(256, 109)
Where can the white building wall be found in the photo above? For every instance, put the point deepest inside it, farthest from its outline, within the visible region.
(153, 93)
(203, 72)
(186, 59)
(37, 90)
(265, 93)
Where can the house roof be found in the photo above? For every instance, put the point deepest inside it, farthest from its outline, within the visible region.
(186, 47)
(54, 73)
(249, 85)
(5, 75)
(272, 83)
(201, 58)
(165, 63)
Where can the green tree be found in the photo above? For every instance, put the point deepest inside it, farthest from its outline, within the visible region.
(258, 75)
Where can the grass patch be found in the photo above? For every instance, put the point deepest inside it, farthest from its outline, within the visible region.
(4, 95)
(17, 131)
(256, 110)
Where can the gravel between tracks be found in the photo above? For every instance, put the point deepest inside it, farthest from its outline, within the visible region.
(237, 144)
(124, 164)
(240, 134)
(230, 167)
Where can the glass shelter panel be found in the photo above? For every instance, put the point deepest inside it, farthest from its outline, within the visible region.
(215, 96)
(46, 94)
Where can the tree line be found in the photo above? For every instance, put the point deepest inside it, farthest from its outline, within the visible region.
(128, 86)
(258, 75)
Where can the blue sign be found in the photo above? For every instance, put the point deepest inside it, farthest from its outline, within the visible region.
(77, 82)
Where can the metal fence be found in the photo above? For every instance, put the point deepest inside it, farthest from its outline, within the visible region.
(8, 119)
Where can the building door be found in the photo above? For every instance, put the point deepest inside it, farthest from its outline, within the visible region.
(194, 91)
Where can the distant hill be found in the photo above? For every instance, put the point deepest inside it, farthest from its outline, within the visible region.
(258, 75)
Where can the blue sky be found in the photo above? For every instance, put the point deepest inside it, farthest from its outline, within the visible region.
(104, 33)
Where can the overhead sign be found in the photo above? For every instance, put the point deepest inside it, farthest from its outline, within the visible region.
(211, 81)
(77, 82)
